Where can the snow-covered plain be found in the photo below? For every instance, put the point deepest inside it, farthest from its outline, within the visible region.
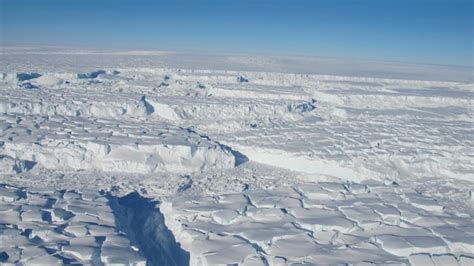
(171, 159)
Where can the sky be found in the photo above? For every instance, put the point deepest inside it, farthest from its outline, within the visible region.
(419, 31)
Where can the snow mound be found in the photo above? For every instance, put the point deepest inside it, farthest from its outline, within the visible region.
(48, 80)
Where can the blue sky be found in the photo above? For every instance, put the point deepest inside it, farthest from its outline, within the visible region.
(426, 31)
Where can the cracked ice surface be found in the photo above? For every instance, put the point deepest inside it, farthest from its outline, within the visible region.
(54, 227)
(320, 223)
(249, 167)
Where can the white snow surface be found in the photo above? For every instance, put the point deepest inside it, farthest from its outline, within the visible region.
(249, 163)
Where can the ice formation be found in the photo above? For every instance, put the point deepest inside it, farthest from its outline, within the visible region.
(124, 157)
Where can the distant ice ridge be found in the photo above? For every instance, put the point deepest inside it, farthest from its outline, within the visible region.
(46, 95)
(55, 59)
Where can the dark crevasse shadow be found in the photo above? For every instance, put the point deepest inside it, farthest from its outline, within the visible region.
(144, 224)
(148, 107)
(27, 76)
(239, 157)
(90, 75)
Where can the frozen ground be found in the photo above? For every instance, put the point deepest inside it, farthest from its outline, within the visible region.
(135, 157)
